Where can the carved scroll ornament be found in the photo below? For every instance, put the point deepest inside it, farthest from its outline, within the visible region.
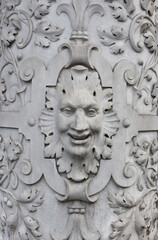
(78, 119)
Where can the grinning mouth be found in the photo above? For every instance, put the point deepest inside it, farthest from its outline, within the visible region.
(79, 139)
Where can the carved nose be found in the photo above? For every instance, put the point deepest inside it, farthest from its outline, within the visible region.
(80, 121)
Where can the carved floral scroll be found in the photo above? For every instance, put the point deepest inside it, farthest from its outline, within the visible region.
(78, 119)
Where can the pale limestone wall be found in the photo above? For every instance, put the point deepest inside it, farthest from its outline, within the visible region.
(78, 120)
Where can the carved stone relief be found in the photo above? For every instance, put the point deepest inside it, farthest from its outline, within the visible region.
(78, 119)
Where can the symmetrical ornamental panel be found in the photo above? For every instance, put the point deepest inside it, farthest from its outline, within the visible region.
(78, 119)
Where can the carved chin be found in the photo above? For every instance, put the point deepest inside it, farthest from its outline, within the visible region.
(78, 150)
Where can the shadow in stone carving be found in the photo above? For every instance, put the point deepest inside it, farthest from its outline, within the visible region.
(76, 226)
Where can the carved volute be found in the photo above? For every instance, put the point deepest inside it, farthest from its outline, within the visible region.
(78, 120)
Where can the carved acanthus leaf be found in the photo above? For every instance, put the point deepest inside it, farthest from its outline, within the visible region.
(154, 94)
(116, 39)
(16, 220)
(143, 155)
(121, 229)
(82, 232)
(150, 42)
(148, 6)
(2, 92)
(16, 30)
(46, 33)
(98, 148)
(142, 214)
(71, 168)
(129, 5)
(118, 11)
(53, 147)
(121, 202)
(80, 19)
(10, 4)
(38, 8)
(10, 150)
(31, 198)
(10, 29)
(143, 211)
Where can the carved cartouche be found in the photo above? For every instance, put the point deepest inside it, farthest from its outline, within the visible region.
(81, 121)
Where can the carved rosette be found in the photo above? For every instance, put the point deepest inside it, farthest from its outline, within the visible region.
(78, 115)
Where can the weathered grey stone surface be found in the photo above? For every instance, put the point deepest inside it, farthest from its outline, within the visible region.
(78, 120)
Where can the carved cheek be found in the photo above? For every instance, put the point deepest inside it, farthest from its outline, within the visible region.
(95, 123)
(63, 122)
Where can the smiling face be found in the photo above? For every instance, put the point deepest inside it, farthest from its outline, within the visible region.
(78, 123)
(79, 113)
(79, 118)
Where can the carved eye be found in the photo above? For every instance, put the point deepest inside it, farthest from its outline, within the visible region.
(91, 112)
(68, 111)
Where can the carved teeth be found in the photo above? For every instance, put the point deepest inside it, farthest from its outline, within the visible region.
(76, 137)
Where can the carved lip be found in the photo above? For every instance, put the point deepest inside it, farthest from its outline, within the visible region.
(79, 139)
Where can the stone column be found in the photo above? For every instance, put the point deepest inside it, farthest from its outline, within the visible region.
(78, 120)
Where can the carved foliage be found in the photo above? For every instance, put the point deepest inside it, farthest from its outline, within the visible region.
(16, 222)
(15, 219)
(46, 33)
(115, 39)
(10, 150)
(140, 213)
(76, 227)
(79, 19)
(141, 35)
(16, 29)
(90, 123)
(154, 94)
(148, 6)
(141, 27)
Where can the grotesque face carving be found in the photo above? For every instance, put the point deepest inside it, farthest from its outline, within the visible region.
(80, 113)
(78, 122)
